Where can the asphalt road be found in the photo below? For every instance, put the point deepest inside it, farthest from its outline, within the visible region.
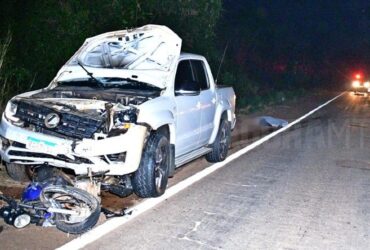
(307, 188)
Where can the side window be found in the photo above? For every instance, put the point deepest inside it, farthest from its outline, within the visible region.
(200, 74)
(185, 79)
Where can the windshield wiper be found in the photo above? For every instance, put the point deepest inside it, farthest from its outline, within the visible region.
(99, 83)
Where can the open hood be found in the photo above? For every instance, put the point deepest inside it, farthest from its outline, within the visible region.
(147, 54)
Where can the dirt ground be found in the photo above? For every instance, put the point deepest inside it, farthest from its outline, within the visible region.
(245, 132)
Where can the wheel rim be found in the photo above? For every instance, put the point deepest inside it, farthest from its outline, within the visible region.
(223, 141)
(69, 202)
(160, 168)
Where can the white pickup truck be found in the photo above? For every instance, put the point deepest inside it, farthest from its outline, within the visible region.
(128, 106)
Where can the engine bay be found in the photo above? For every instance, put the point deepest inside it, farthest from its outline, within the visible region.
(83, 112)
(125, 97)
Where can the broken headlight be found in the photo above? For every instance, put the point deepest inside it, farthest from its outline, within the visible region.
(119, 118)
(125, 116)
(123, 119)
(10, 111)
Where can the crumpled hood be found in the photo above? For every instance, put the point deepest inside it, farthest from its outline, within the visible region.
(148, 54)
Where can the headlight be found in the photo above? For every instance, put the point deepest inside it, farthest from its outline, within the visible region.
(22, 220)
(126, 116)
(367, 84)
(123, 120)
(10, 110)
(356, 84)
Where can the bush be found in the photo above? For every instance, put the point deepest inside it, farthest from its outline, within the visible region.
(49, 32)
(45, 34)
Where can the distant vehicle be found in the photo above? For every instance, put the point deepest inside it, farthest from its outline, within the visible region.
(124, 111)
(359, 85)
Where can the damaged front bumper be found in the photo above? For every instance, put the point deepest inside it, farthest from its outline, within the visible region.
(119, 155)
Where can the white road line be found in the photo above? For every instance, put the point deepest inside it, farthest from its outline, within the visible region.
(147, 204)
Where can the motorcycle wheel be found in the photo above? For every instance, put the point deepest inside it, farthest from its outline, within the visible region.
(76, 200)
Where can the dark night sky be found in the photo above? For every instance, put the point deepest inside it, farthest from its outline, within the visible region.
(337, 31)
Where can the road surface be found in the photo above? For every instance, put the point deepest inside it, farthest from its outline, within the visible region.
(307, 188)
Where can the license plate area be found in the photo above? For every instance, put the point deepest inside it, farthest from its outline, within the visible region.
(40, 145)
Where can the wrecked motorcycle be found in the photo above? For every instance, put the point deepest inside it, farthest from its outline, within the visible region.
(52, 202)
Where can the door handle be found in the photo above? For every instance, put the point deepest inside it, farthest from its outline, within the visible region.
(213, 100)
(198, 105)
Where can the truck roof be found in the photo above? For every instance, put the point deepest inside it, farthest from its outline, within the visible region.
(185, 55)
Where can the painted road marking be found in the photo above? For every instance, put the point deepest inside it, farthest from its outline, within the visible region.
(147, 204)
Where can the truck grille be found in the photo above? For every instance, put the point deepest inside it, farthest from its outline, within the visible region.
(72, 124)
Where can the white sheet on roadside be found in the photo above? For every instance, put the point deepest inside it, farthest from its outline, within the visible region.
(272, 122)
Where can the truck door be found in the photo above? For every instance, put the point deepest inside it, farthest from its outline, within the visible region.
(187, 92)
(207, 101)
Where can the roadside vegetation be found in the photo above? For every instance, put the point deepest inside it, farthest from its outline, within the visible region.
(5, 86)
(37, 37)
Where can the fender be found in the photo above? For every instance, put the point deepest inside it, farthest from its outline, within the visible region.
(221, 109)
(153, 114)
(166, 118)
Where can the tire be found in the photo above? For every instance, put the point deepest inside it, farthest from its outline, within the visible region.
(222, 143)
(45, 172)
(67, 223)
(150, 180)
(17, 172)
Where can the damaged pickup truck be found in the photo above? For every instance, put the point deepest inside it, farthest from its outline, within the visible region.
(123, 112)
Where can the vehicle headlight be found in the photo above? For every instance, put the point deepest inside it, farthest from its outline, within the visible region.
(124, 117)
(367, 84)
(10, 110)
(356, 84)
(12, 107)
(9, 113)
(22, 220)
(122, 121)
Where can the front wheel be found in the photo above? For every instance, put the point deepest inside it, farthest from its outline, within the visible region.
(84, 208)
(150, 180)
(221, 144)
(17, 172)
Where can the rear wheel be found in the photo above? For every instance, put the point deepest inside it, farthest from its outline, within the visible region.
(17, 172)
(150, 180)
(221, 145)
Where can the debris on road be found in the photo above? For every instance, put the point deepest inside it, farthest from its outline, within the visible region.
(110, 214)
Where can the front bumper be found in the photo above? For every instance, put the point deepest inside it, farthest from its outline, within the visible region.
(26, 147)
